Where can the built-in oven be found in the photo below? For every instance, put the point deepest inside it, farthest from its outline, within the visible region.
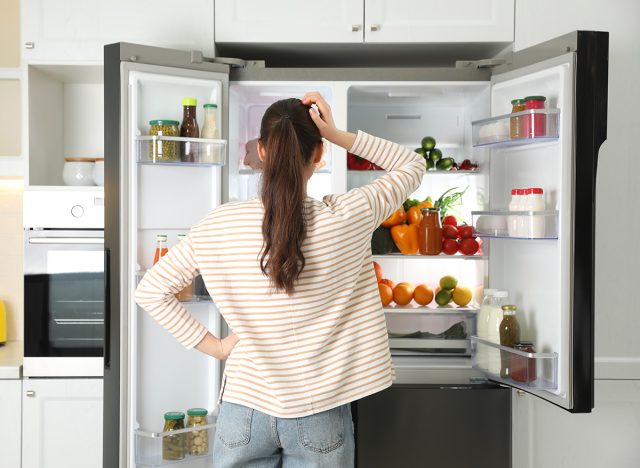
(64, 307)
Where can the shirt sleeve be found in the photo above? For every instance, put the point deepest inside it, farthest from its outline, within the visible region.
(384, 195)
(157, 289)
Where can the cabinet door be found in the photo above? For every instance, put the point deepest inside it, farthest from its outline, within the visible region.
(10, 408)
(62, 423)
(78, 29)
(289, 21)
(438, 21)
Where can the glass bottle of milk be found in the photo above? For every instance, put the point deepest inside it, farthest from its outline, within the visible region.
(482, 328)
(494, 318)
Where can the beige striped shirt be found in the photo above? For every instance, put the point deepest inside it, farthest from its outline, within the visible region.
(326, 344)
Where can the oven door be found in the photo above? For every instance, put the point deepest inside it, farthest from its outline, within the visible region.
(63, 302)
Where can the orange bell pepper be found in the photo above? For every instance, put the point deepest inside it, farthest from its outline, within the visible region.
(405, 236)
(414, 215)
(425, 204)
(398, 217)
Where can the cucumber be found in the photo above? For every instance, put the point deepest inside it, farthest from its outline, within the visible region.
(435, 154)
(444, 164)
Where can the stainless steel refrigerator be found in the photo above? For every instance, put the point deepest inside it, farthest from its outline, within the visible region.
(467, 108)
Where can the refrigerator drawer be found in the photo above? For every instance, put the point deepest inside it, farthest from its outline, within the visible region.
(164, 448)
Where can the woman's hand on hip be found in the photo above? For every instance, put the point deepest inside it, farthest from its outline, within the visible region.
(216, 347)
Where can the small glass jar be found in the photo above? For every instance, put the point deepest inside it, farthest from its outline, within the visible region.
(535, 125)
(163, 150)
(198, 441)
(78, 171)
(509, 336)
(523, 368)
(174, 447)
(516, 127)
(430, 235)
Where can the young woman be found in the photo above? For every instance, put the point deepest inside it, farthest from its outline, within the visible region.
(293, 277)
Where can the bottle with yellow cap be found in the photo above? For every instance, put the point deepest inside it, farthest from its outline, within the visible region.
(3, 323)
(189, 128)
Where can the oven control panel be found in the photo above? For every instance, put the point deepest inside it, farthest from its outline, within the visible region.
(64, 209)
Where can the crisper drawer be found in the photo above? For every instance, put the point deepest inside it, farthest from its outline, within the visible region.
(422, 331)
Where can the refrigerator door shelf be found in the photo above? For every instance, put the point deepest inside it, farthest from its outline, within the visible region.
(210, 152)
(503, 224)
(530, 371)
(148, 445)
(534, 126)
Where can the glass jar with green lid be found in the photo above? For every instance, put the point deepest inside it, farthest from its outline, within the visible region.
(174, 447)
(163, 150)
(516, 123)
(198, 443)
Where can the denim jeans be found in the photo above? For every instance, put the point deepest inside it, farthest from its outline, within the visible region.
(246, 437)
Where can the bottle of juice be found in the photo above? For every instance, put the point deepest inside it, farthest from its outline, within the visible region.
(161, 247)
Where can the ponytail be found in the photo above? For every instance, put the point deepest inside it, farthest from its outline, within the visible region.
(290, 138)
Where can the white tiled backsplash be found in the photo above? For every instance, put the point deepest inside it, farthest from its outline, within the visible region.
(11, 252)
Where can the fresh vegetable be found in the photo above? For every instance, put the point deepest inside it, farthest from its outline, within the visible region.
(467, 165)
(428, 143)
(411, 202)
(398, 217)
(465, 231)
(381, 241)
(414, 215)
(421, 151)
(457, 331)
(405, 236)
(427, 203)
(430, 165)
(444, 164)
(450, 246)
(449, 231)
(378, 270)
(448, 202)
(469, 246)
(450, 221)
(435, 155)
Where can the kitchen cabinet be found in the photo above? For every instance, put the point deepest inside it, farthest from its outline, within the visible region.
(62, 423)
(11, 411)
(77, 30)
(286, 21)
(388, 21)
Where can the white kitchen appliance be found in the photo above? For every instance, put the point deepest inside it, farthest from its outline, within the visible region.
(550, 278)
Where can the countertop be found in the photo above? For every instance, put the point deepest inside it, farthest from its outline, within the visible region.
(11, 360)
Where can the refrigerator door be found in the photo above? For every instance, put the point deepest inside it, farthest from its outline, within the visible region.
(151, 189)
(549, 274)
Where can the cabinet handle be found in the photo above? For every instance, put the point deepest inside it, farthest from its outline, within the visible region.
(375, 27)
(356, 27)
(29, 45)
(31, 393)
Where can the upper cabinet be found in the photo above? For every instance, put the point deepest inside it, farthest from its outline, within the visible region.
(77, 30)
(289, 21)
(438, 21)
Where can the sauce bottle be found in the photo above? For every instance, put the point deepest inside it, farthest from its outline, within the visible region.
(509, 336)
(430, 235)
(210, 153)
(189, 129)
(161, 247)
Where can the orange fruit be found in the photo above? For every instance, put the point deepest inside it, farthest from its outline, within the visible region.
(388, 282)
(423, 294)
(378, 269)
(386, 294)
(403, 293)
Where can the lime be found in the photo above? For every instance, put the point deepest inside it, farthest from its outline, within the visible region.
(462, 296)
(443, 297)
(444, 164)
(448, 282)
(430, 164)
(435, 154)
(421, 151)
(428, 143)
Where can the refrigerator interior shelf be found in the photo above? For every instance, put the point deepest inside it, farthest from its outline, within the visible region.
(378, 173)
(207, 152)
(196, 299)
(504, 224)
(528, 370)
(426, 310)
(442, 256)
(419, 346)
(535, 126)
(148, 445)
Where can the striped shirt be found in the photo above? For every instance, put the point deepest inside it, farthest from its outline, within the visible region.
(326, 344)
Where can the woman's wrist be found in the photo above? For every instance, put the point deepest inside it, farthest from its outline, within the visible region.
(342, 138)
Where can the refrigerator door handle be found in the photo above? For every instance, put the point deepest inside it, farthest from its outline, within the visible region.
(198, 57)
(107, 308)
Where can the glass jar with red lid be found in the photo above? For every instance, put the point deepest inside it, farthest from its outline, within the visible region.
(523, 368)
(535, 124)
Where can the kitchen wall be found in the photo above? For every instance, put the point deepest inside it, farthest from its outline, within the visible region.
(543, 435)
(11, 254)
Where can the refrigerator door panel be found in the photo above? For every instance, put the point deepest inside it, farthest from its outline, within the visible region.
(551, 281)
(147, 372)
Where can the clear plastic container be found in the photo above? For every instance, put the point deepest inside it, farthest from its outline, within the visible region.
(488, 327)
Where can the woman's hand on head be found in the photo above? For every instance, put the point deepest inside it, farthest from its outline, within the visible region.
(322, 116)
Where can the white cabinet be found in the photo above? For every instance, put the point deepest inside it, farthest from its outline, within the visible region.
(62, 423)
(77, 30)
(289, 21)
(438, 21)
(10, 409)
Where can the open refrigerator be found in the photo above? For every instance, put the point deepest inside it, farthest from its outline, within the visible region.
(147, 373)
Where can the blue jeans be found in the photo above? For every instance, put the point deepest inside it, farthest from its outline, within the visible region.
(246, 437)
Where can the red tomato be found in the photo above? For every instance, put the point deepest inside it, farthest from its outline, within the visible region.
(469, 246)
(466, 232)
(449, 232)
(450, 221)
(450, 246)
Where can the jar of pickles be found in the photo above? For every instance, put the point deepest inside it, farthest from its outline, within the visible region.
(164, 150)
(516, 123)
(198, 441)
(174, 447)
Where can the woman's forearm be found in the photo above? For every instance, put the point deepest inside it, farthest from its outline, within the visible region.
(343, 139)
(216, 347)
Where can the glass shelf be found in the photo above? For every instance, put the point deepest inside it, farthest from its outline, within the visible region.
(148, 445)
(426, 310)
(378, 173)
(528, 370)
(197, 284)
(536, 126)
(457, 256)
(207, 152)
(430, 346)
(504, 224)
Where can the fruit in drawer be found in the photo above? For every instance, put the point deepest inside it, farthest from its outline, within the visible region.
(386, 294)
(448, 282)
(403, 293)
(378, 269)
(423, 294)
(443, 297)
(462, 296)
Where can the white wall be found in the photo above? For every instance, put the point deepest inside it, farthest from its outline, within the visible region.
(545, 436)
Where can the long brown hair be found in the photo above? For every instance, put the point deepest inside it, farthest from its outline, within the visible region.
(290, 139)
